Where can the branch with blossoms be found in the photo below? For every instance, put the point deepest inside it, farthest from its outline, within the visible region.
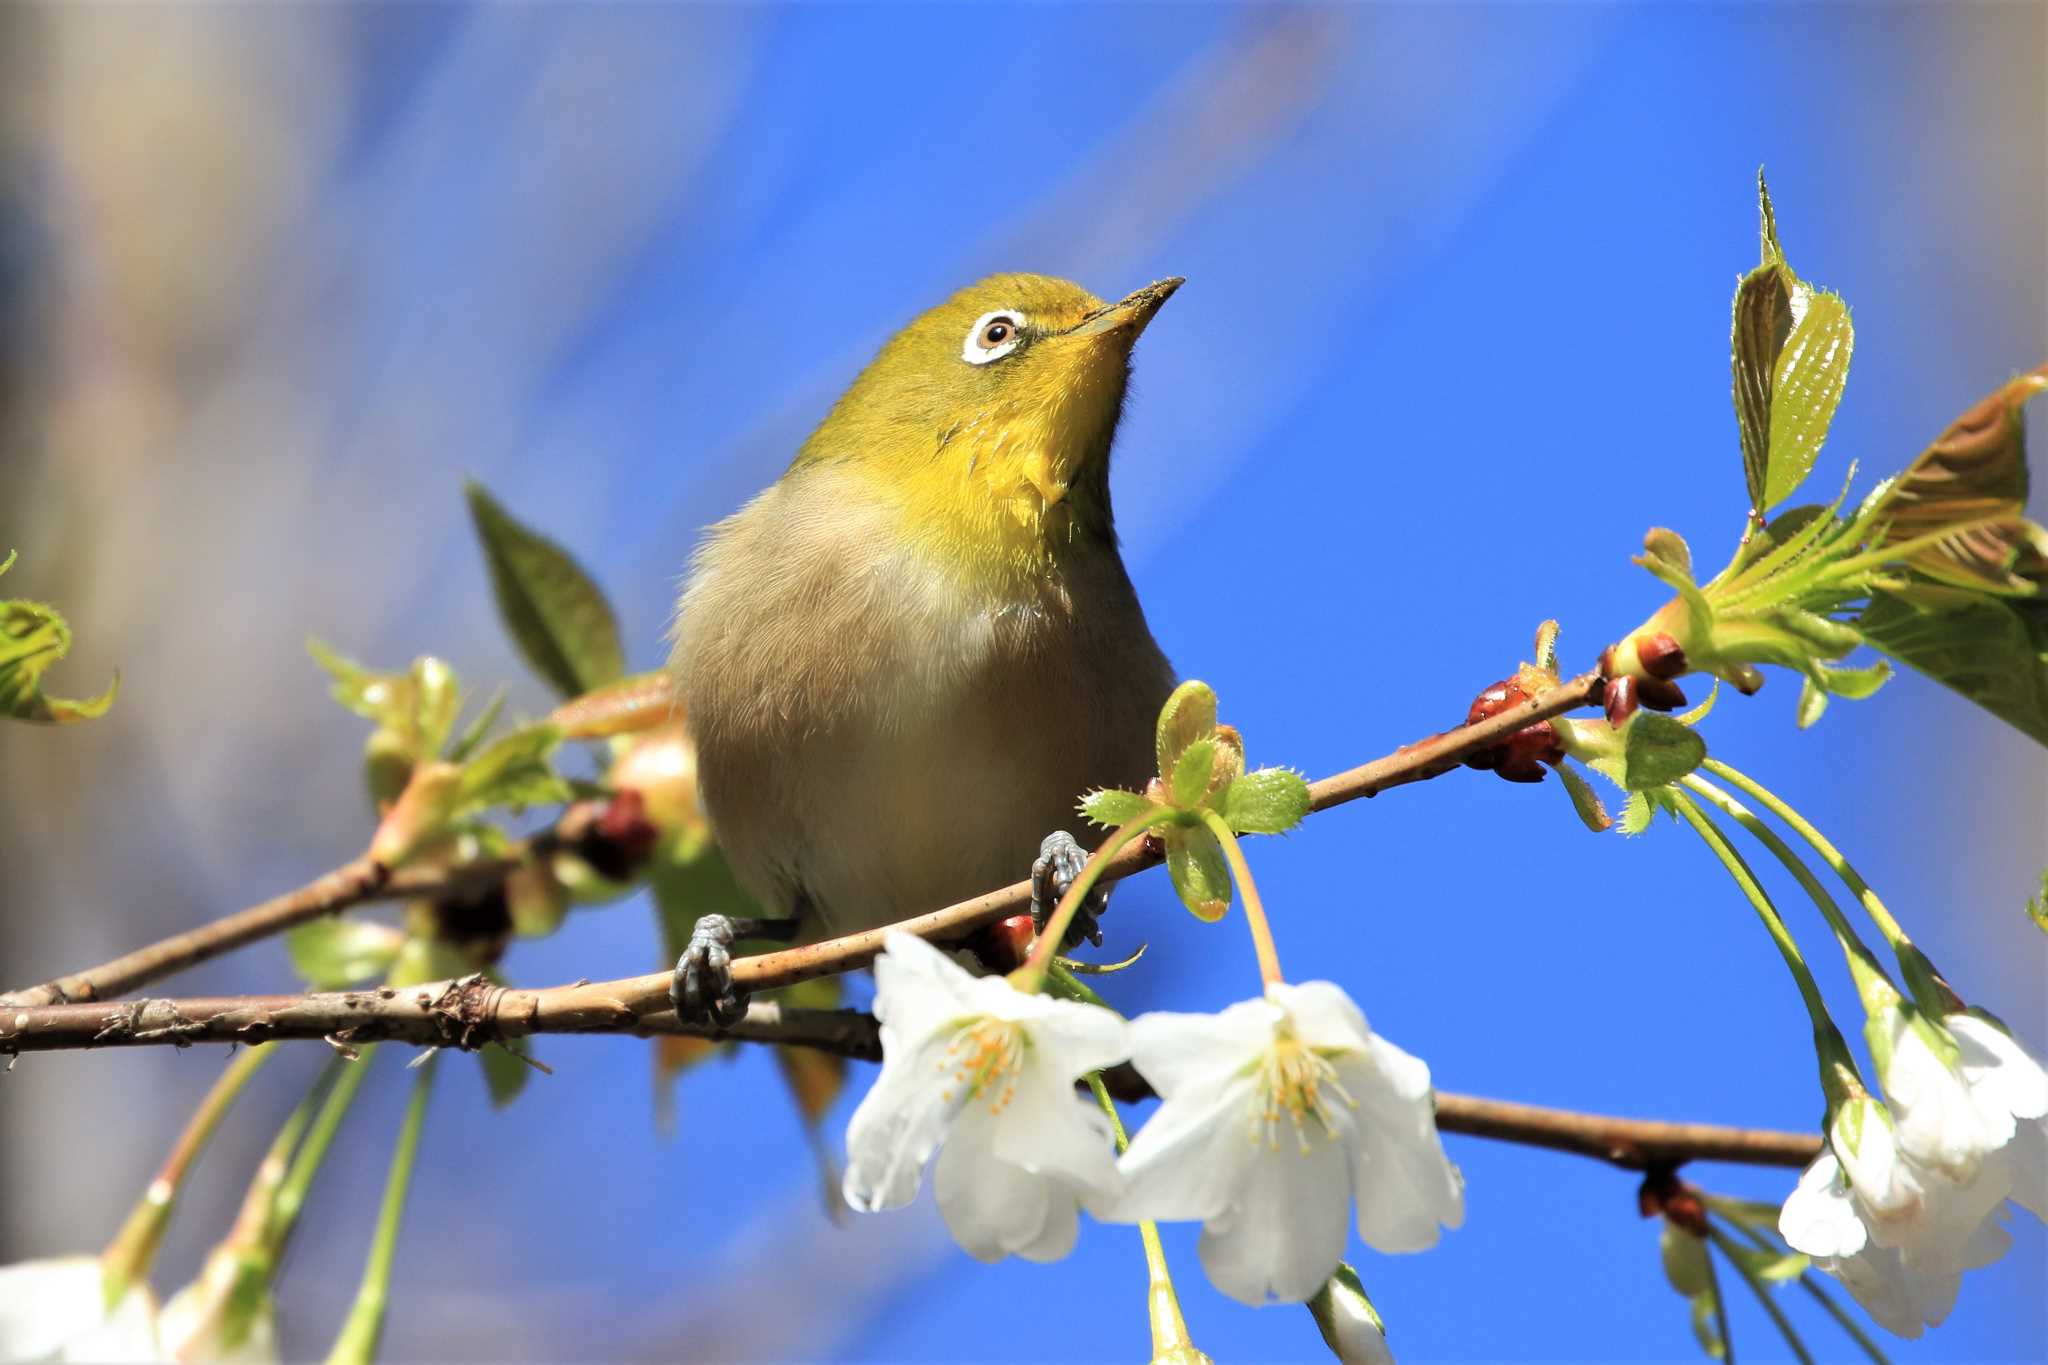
(1285, 1124)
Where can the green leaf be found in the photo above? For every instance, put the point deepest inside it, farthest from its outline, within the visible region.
(33, 637)
(1813, 700)
(417, 706)
(513, 771)
(1269, 801)
(1658, 751)
(1585, 800)
(1191, 773)
(1194, 860)
(1112, 806)
(331, 953)
(1806, 390)
(2037, 906)
(1189, 715)
(1685, 1261)
(478, 729)
(1791, 346)
(505, 1069)
(1993, 650)
(557, 616)
(1662, 543)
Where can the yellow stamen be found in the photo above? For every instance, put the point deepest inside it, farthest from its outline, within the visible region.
(985, 1057)
(1295, 1080)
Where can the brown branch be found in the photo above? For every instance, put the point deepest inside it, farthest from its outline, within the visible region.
(364, 880)
(472, 1012)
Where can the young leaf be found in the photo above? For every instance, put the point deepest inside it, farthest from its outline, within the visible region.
(642, 701)
(32, 637)
(557, 616)
(1974, 471)
(1813, 700)
(1791, 346)
(1191, 773)
(1993, 650)
(1189, 715)
(1659, 751)
(1269, 801)
(1112, 806)
(329, 954)
(513, 771)
(1194, 860)
(1585, 800)
(478, 729)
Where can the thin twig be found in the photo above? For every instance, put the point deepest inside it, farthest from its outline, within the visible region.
(365, 880)
(350, 884)
(472, 1012)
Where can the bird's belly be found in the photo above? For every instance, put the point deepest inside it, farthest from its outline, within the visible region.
(935, 790)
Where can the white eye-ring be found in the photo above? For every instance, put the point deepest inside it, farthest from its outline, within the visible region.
(993, 336)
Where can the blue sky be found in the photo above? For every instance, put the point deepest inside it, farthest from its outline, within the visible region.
(1455, 335)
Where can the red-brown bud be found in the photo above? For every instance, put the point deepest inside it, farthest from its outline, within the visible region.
(1003, 946)
(1661, 655)
(1519, 757)
(1659, 694)
(620, 839)
(1620, 699)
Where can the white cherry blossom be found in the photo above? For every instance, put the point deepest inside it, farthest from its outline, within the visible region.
(984, 1074)
(2008, 1085)
(55, 1310)
(1351, 1327)
(1278, 1115)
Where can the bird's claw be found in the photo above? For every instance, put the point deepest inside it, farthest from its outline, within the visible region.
(702, 989)
(1060, 860)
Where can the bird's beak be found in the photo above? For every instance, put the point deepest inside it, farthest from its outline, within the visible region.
(1129, 315)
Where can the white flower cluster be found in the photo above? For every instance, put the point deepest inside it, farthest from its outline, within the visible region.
(1277, 1117)
(1903, 1200)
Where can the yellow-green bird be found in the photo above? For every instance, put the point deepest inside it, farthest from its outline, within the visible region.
(905, 661)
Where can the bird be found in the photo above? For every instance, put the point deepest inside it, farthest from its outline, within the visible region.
(904, 662)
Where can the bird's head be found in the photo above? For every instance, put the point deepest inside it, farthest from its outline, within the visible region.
(990, 417)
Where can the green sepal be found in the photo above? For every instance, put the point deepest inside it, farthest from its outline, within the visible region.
(1585, 800)
(1772, 1267)
(1706, 1328)
(556, 614)
(1080, 968)
(1269, 801)
(1636, 813)
(513, 771)
(1657, 751)
(334, 952)
(1201, 877)
(1113, 806)
(1188, 715)
(34, 636)
(1064, 985)
(1322, 1306)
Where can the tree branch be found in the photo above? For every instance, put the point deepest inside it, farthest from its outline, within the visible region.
(472, 1012)
(366, 880)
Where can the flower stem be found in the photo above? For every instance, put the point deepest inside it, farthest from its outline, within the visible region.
(291, 1195)
(1828, 1042)
(1762, 1292)
(1254, 910)
(356, 1344)
(1810, 1282)
(1720, 1312)
(1861, 961)
(1030, 978)
(128, 1257)
(1169, 1329)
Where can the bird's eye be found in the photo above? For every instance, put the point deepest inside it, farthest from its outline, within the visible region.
(993, 336)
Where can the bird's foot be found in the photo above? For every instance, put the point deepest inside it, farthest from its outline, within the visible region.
(1060, 860)
(702, 989)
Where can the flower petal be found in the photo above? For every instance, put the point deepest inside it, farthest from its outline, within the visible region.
(1185, 1163)
(1178, 1051)
(995, 1209)
(918, 989)
(1049, 1130)
(1998, 1068)
(1406, 1187)
(48, 1303)
(1819, 1216)
(900, 1122)
(1324, 1016)
(1285, 1231)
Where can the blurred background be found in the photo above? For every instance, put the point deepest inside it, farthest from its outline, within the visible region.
(1456, 332)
